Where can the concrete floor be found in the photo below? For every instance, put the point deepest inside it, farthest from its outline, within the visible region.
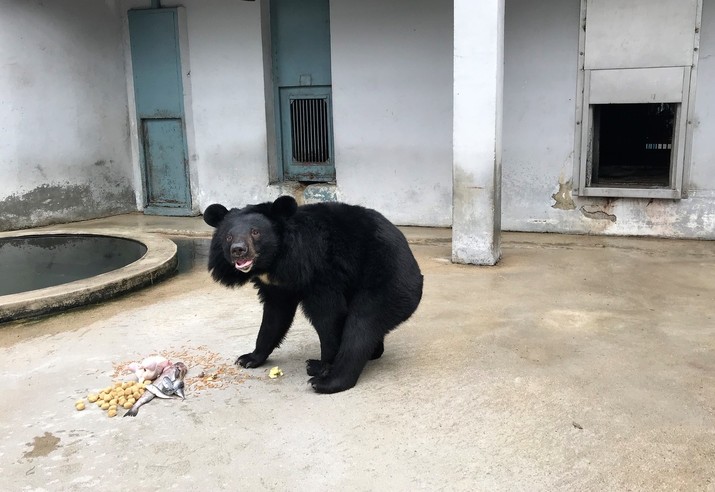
(576, 363)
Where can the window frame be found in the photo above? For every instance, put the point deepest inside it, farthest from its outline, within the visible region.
(673, 191)
(584, 134)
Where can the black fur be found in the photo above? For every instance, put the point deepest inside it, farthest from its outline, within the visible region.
(349, 268)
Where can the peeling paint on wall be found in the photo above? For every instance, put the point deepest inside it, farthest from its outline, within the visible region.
(55, 203)
(563, 197)
(595, 212)
(320, 192)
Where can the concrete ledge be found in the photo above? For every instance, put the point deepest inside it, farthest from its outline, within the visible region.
(158, 262)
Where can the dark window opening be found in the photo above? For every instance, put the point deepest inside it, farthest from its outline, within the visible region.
(633, 144)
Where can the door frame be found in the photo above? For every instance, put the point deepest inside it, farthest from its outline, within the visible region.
(274, 123)
(139, 174)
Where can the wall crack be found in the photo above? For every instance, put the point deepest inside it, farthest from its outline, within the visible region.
(593, 212)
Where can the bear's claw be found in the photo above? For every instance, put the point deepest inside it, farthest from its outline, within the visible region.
(249, 360)
(329, 385)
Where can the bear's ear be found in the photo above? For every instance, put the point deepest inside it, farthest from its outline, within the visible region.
(214, 214)
(284, 206)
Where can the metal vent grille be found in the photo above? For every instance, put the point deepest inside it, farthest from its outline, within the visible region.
(309, 130)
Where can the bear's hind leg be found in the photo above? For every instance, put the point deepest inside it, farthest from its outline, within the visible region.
(379, 350)
(326, 310)
(315, 367)
(362, 338)
(320, 368)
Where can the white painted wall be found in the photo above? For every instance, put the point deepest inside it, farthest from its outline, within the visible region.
(225, 60)
(64, 148)
(392, 98)
(541, 43)
(702, 175)
(392, 95)
(392, 76)
(65, 135)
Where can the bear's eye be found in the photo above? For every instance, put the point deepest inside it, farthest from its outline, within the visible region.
(229, 238)
(255, 233)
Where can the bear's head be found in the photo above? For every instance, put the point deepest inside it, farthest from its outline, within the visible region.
(246, 240)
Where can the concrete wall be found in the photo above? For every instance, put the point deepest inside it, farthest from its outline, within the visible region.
(228, 123)
(68, 136)
(392, 92)
(64, 135)
(702, 170)
(65, 115)
(541, 43)
(228, 101)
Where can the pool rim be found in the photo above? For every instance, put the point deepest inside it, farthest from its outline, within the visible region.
(158, 262)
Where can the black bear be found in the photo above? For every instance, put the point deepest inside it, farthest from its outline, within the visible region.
(348, 266)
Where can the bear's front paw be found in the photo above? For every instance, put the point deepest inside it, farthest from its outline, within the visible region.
(330, 384)
(250, 360)
(316, 367)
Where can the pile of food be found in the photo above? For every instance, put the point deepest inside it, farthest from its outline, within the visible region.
(157, 377)
(209, 370)
(112, 397)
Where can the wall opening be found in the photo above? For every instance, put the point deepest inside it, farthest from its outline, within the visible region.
(633, 144)
(635, 85)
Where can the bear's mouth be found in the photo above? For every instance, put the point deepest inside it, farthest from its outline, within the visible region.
(244, 265)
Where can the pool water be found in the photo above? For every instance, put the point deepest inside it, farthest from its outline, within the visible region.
(35, 262)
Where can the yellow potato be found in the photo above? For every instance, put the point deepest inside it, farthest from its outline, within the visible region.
(112, 413)
(92, 397)
(105, 406)
(79, 405)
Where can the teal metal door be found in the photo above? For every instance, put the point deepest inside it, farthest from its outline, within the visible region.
(158, 90)
(300, 41)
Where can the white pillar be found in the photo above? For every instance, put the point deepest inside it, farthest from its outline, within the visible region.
(476, 165)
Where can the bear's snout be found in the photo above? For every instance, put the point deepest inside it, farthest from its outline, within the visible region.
(239, 249)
